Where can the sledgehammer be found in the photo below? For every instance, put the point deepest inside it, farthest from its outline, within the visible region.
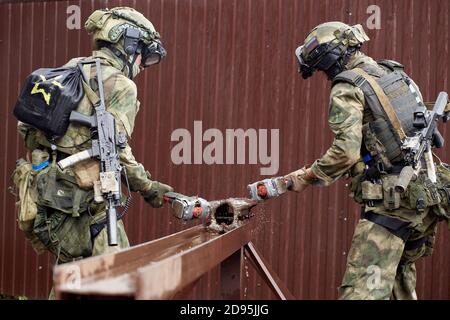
(269, 188)
(187, 208)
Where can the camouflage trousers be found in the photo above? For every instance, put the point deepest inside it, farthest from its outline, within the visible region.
(99, 243)
(378, 265)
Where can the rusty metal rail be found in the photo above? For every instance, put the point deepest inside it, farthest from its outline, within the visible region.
(163, 268)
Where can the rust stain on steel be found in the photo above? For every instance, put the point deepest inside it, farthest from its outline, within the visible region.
(164, 279)
(111, 274)
(160, 268)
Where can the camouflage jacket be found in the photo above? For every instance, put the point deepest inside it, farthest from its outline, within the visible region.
(345, 118)
(121, 101)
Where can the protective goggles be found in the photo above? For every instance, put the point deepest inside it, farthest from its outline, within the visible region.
(152, 54)
(303, 68)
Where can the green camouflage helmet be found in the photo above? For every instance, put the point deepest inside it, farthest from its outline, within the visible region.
(110, 24)
(326, 44)
(128, 34)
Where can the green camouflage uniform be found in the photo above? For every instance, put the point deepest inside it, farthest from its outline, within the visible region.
(378, 265)
(56, 209)
(70, 219)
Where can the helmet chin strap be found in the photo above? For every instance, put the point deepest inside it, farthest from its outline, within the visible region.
(130, 66)
(126, 62)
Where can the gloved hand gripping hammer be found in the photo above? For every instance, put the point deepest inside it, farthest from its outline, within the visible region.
(187, 208)
(269, 188)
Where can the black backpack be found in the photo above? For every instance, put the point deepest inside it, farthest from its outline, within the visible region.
(48, 97)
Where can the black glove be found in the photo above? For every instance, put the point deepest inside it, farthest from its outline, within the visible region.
(154, 195)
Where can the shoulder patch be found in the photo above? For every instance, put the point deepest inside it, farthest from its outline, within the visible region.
(337, 115)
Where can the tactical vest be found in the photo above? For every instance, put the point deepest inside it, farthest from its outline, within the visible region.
(380, 137)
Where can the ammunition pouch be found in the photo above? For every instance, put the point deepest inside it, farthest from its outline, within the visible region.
(443, 176)
(62, 221)
(378, 193)
(86, 173)
(391, 198)
(371, 191)
(23, 177)
(60, 191)
(67, 237)
(24, 181)
(421, 193)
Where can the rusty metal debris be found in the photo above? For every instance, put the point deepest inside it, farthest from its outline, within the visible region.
(230, 213)
(162, 268)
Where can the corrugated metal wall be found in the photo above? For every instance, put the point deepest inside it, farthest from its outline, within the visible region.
(230, 64)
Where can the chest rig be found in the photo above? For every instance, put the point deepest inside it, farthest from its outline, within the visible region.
(390, 102)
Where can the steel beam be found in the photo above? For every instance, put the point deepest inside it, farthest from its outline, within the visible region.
(231, 276)
(157, 269)
(167, 267)
(164, 279)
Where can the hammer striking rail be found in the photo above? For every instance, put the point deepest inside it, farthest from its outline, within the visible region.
(106, 143)
(419, 145)
(187, 208)
(268, 188)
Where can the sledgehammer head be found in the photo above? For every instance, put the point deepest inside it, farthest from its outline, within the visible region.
(187, 208)
(268, 188)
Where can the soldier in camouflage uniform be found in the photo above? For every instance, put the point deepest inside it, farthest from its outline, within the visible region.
(394, 230)
(67, 221)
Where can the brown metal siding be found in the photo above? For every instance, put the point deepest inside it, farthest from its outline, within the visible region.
(230, 64)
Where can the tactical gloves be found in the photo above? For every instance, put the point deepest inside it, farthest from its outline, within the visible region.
(301, 179)
(154, 195)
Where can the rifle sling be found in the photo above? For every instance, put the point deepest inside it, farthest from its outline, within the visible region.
(91, 95)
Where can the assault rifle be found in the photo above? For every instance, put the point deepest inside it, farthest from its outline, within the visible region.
(419, 146)
(105, 144)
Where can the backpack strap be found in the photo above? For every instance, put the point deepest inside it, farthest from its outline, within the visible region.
(90, 93)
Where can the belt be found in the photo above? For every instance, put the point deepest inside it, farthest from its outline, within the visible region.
(414, 244)
(395, 226)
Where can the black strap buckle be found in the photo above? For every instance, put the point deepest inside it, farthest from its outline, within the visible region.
(395, 226)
